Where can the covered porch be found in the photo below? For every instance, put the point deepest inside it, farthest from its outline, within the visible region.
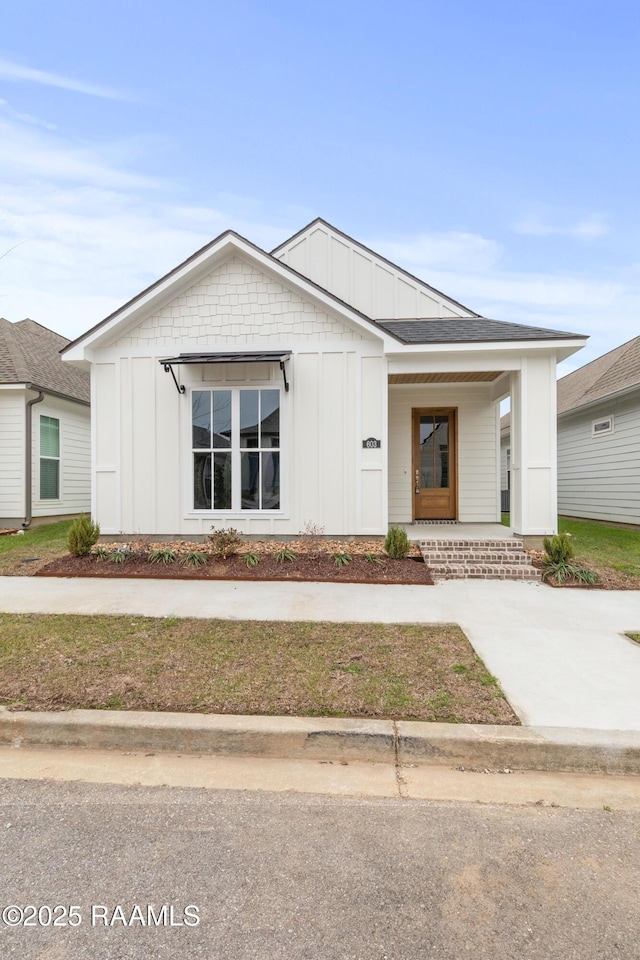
(444, 439)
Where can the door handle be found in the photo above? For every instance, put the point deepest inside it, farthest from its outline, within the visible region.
(417, 481)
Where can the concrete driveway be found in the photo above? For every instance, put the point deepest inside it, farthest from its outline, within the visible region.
(560, 655)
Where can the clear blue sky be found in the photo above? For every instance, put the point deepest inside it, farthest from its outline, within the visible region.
(492, 148)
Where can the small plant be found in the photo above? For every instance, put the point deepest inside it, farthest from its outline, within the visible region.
(193, 558)
(396, 543)
(251, 559)
(166, 555)
(83, 534)
(285, 556)
(559, 549)
(102, 553)
(372, 558)
(559, 562)
(225, 542)
(312, 531)
(459, 668)
(341, 559)
(119, 555)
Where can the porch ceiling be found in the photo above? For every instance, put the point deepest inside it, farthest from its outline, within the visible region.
(470, 376)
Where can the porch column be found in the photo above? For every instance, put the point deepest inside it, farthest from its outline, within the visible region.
(534, 479)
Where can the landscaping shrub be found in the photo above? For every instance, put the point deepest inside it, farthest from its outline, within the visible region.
(251, 559)
(396, 544)
(285, 556)
(559, 562)
(83, 534)
(162, 556)
(341, 559)
(193, 558)
(225, 542)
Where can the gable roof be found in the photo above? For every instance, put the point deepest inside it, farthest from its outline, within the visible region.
(611, 373)
(30, 353)
(203, 255)
(378, 256)
(468, 330)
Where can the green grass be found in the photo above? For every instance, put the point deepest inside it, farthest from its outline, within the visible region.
(45, 542)
(398, 671)
(601, 546)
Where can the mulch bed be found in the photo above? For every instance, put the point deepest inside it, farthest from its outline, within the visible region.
(307, 567)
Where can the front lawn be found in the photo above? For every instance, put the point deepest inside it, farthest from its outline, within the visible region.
(601, 546)
(397, 671)
(23, 554)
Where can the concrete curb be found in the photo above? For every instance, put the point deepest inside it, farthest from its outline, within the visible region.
(377, 741)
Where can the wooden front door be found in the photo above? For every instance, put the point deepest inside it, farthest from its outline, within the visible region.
(435, 479)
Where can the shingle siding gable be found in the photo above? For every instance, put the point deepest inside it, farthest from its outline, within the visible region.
(236, 303)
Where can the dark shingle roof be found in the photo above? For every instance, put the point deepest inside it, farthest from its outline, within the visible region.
(30, 353)
(468, 330)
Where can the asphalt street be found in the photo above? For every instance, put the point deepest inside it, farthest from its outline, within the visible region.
(300, 876)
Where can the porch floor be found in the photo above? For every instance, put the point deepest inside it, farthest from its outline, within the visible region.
(457, 531)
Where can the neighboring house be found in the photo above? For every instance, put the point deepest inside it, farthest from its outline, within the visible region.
(45, 446)
(598, 438)
(318, 383)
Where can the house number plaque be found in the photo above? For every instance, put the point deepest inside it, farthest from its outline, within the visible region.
(371, 443)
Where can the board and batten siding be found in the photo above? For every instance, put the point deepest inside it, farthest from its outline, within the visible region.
(599, 477)
(337, 398)
(75, 458)
(12, 429)
(359, 277)
(478, 495)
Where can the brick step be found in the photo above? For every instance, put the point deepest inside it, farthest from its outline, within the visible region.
(479, 556)
(469, 545)
(483, 571)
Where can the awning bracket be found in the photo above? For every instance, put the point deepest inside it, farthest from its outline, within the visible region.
(169, 369)
(284, 376)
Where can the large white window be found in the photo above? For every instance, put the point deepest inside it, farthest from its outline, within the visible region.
(49, 458)
(235, 437)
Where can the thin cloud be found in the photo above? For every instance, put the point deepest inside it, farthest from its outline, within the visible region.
(18, 73)
(583, 230)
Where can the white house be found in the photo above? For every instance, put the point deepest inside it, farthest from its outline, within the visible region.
(316, 383)
(598, 438)
(45, 446)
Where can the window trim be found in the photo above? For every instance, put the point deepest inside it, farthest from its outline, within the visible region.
(57, 459)
(232, 513)
(607, 431)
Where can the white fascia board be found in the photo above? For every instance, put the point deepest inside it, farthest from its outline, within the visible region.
(166, 290)
(563, 348)
(13, 386)
(453, 363)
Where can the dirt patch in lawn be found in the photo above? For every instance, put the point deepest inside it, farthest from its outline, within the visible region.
(397, 671)
(359, 562)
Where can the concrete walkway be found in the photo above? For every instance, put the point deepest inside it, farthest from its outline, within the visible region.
(560, 655)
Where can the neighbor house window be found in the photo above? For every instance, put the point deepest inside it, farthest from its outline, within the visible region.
(602, 426)
(49, 458)
(235, 437)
